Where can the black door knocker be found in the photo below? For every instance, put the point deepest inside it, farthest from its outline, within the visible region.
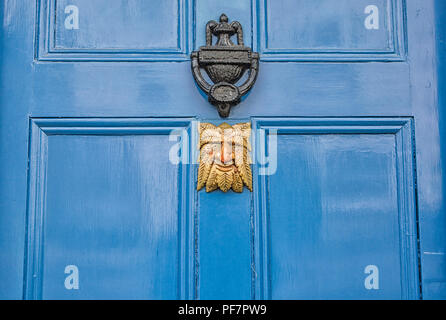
(225, 63)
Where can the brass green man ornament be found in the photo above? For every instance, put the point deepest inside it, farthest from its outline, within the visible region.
(224, 157)
(225, 63)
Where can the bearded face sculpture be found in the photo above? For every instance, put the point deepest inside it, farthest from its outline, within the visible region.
(224, 157)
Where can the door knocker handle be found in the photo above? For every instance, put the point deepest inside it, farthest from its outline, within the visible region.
(225, 63)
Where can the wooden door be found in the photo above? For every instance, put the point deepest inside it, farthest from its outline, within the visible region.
(97, 96)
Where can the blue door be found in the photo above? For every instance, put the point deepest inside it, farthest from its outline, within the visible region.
(99, 124)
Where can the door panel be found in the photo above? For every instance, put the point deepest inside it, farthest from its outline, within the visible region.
(332, 30)
(103, 202)
(135, 30)
(123, 25)
(341, 200)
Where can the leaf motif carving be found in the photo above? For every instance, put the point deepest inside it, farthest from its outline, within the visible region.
(204, 169)
(228, 175)
(211, 183)
(209, 134)
(237, 184)
(224, 180)
(244, 168)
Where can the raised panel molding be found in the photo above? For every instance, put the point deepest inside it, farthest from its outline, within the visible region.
(42, 129)
(395, 50)
(48, 49)
(401, 129)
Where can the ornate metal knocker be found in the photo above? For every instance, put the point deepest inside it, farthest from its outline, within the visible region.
(225, 63)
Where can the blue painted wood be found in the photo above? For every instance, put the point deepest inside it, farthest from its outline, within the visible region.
(109, 91)
(431, 201)
(225, 235)
(114, 217)
(434, 253)
(121, 32)
(342, 199)
(225, 245)
(333, 31)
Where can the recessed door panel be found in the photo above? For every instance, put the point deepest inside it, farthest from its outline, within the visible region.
(338, 211)
(110, 222)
